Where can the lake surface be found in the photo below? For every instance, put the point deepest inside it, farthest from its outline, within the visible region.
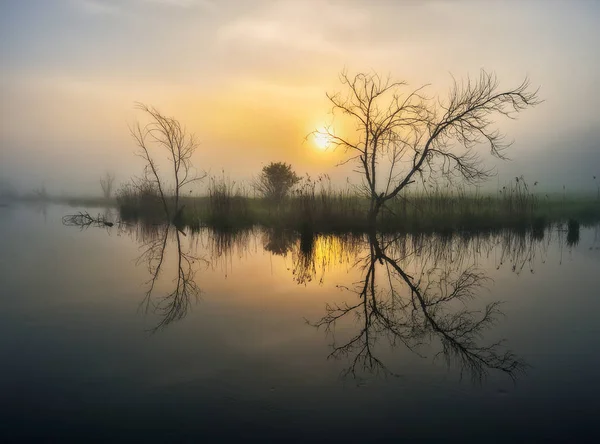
(147, 334)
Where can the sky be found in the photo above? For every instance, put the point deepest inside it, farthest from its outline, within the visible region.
(249, 78)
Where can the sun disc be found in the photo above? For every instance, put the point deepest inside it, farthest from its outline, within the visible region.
(322, 140)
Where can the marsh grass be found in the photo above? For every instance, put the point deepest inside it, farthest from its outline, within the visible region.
(140, 201)
(316, 207)
(227, 205)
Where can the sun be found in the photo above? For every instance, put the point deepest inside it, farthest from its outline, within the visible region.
(322, 139)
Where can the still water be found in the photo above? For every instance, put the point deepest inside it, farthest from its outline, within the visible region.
(129, 333)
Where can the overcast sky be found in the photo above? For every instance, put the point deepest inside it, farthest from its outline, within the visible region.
(249, 78)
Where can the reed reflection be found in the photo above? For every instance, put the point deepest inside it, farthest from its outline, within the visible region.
(312, 254)
(414, 291)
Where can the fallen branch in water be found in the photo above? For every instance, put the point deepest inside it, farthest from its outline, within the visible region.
(84, 220)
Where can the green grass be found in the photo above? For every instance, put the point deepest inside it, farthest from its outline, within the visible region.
(315, 207)
(227, 207)
(343, 212)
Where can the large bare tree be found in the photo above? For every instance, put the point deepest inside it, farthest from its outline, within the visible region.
(166, 134)
(403, 134)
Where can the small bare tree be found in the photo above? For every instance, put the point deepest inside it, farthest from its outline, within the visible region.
(402, 134)
(167, 134)
(40, 193)
(107, 182)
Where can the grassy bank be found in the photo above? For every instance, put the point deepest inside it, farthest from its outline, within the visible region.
(327, 211)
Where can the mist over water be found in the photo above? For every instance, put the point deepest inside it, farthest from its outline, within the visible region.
(271, 328)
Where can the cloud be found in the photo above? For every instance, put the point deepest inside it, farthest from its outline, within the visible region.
(310, 26)
(181, 3)
(114, 7)
(97, 7)
(275, 33)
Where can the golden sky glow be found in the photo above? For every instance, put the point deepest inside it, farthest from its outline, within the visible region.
(250, 77)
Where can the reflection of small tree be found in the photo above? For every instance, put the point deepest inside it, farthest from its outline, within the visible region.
(167, 134)
(174, 305)
(106, 183)
(403, 134)
(279, 241)
(276, 181)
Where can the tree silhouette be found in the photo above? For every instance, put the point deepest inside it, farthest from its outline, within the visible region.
(403, 134)
(106, 183)
(166, 134)
(275, 181)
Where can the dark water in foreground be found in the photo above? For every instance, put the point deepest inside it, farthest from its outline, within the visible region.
(133, 334)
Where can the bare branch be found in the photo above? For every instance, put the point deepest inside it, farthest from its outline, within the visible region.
(414, 310)
(404, 134)
(166, 133)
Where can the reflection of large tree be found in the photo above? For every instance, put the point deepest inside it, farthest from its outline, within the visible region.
(414, 309)
(175, 304)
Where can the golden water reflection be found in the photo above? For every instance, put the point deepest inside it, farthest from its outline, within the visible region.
(419, 292)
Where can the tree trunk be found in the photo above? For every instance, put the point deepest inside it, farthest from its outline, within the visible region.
(178, 219)
(374, 212)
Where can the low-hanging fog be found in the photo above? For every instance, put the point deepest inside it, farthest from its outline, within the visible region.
(249, 78)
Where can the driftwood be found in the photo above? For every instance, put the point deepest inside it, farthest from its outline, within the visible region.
(84, 220)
